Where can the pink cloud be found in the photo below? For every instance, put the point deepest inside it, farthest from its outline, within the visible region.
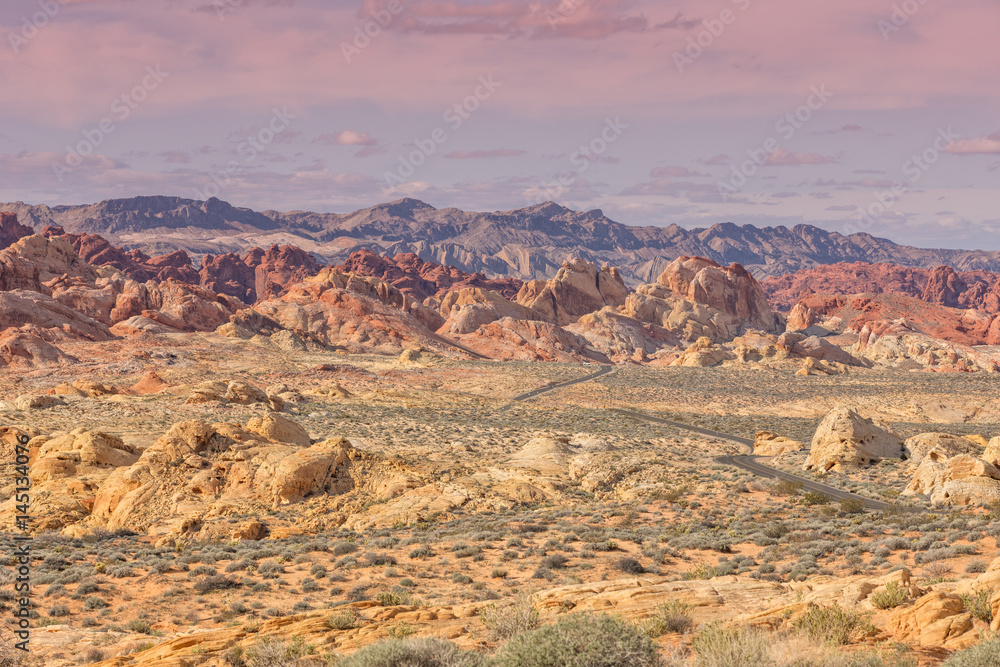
(347, 138)
(989, 145)
(480, 154)
(783, 158)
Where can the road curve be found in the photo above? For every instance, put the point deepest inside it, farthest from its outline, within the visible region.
(746, 462)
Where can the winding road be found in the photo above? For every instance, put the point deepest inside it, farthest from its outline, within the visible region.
(746, 462)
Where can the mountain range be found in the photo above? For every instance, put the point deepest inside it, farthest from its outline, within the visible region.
(527, 243)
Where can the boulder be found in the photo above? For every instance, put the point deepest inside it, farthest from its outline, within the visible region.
(845, 439)
(955, 480)
(277, 428)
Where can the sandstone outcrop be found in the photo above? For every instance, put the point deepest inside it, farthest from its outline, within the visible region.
(578, 289)
(767, 443)
(422, 280)
(845, 439)
(622, 338)
(468, 309)
(529, 340)
(361, 314)
(897, 343)
(955, 480)
(944, 445)
(703, 353)
(695, 297)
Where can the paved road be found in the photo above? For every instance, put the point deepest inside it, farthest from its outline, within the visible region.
(746, 462)
(753, 465)
(561, 385)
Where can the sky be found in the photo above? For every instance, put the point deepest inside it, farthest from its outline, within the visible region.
(855, 115)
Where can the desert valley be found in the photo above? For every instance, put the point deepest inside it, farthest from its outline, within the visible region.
(330, 442)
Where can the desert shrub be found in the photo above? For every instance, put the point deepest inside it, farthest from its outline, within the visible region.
(270, 569)
(986, 654)
(852, 506)
(511, 620)
(554, 561)
(140, 626)
(344, 620)
(976, 567)
(59, 611)
(460, 578)
(832, 624)
(629, 565)
(978, 604)
(93, 655)
(580, 640)
(422, 652)
(810, 498)
(422, 551)
(374, 559)
(671, 616)
(718, 646)
(394, 599)
(94, 602)
(891, 596)
(216, 582)
(269, 652)
(343, 548)
(785, 488)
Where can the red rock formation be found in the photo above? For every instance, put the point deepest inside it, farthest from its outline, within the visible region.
(420, 279)
(135, 264)
(259, 275)
(967, 327)
(942, 285)
(11, 230)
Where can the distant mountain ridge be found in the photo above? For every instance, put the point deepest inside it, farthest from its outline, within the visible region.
(526, 243)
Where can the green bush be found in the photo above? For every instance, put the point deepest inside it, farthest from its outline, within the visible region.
(832, 624)
(978, 604)
(718, 646)
(414, 652)
(510, 621)
(672, 616)
(986, 654)
(580, 640)
(891, 596)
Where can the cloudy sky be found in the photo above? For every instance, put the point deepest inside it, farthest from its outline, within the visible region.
(875, 115)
